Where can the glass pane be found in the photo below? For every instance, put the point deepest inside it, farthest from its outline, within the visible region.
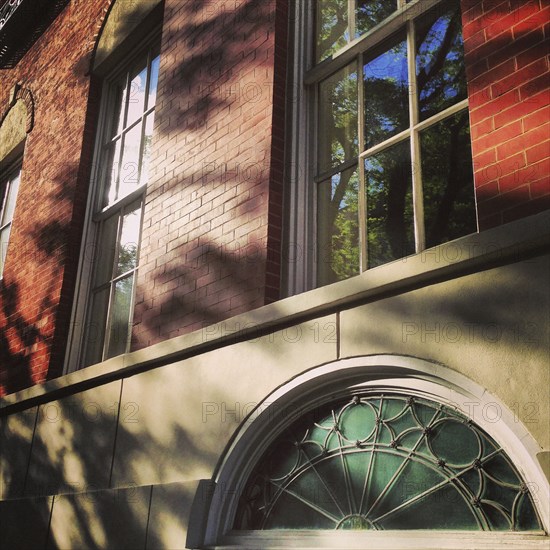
(136, 97)
(154, 78)
(112, 172)
(147, 146)
(386, 84)
(4, 239)
(390, 229)
(119, 105)
(338, 119)
(95, 328)
(120, 316)
(371, 12)
(9, 205)
(338, 227)
(332, 27)
(129, 241)
(104, 254)
(447, 179)
(376, 483)
(440, 74)
(129, 165)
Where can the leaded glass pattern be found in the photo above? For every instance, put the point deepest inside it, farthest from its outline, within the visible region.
(385, 462)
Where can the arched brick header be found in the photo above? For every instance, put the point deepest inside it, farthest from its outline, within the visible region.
(24, 94)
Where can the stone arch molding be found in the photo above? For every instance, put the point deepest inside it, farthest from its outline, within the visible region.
(17, 119)
(381, 372)
(120, 18)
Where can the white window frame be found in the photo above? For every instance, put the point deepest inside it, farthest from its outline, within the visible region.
(76, 349)
(302, 254)
(415, 376)
(11, 175)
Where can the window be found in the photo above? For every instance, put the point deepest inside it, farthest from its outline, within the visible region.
(123, 150)
(8, 197)
(392, 163)
(386, 461)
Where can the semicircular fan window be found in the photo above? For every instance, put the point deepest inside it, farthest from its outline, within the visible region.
(386, 461)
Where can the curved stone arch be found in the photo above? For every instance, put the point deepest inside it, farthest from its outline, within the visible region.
(386, 372)
(118, 20)
(17, 120)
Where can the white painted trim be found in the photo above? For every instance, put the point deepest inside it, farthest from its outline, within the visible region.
(379, 372)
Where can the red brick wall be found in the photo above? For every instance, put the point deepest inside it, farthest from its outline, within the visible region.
(217, 168)
(506, 46)
(37, 289)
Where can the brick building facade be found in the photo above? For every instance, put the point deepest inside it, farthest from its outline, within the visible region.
(170, 286)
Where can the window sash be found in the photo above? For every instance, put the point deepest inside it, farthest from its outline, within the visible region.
(403, 20)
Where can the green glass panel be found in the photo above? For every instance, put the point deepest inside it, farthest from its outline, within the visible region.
(392, 482)
(413, 480)
(443, 442)
(358, 422)
(291, 513)
(443, 509)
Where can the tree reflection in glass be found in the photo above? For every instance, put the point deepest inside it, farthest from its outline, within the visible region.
(338, 227)
(338, 141)
(440, 74)
(388, 182)
(448, 188)
(386, 85)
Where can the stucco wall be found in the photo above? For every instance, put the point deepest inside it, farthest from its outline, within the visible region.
(135, 448)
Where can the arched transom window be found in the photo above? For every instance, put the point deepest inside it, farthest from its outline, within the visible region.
(386, 461)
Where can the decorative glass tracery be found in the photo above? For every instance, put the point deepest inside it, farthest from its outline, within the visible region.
(386, 461)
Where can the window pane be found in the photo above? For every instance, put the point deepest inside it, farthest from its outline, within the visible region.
(130, 161)
(112, 171)
(447, 180)
(153, 82)
(129, 240)
(146, 154)
(9, 205)
(95, 328)
(136, 97)
(104, 254)
(332, 27)
(386, 94)
(120, 316)
(119, 105)
(372, 461)
(338, 119)
(390, 229)
(338, 225)
(440, 72)
(371, 12)
(4, 239)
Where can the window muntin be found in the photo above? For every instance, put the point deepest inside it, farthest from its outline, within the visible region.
(386, 461)
(8, 198)
(126, 139)
(412, 85)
